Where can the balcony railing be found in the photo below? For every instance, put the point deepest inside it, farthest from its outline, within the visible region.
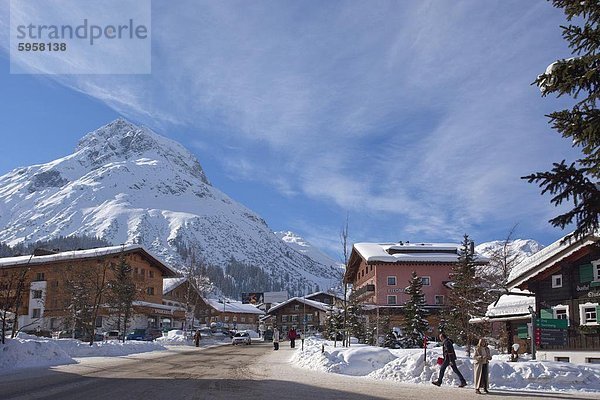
(363, 291)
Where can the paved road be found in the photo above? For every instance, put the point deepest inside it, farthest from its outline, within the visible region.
(226, 372)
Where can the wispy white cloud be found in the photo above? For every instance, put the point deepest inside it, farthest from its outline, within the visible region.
(421, 110)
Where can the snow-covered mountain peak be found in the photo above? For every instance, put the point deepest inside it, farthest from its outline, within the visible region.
(300, 244)
(521, 248)
(291, 238)
(127, 184)
(121, 140)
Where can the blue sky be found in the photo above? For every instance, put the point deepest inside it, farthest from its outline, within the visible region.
(415, 118)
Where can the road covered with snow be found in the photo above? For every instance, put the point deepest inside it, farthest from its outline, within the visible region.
(34, 368)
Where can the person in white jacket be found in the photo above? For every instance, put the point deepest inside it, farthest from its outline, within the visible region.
(275, 338)
(481, 359)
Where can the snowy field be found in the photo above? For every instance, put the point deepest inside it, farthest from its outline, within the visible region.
(30, 351)
(407, 366)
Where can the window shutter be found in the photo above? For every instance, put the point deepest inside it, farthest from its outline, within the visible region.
(546, 314)
(586, 273)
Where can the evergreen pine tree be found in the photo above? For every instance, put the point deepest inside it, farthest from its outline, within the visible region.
(415, 326)
(333, 324)
(355, 321)
(122, 291)
(578, 77)
(467, 298)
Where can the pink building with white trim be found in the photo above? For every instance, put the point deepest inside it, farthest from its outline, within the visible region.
(380, 272)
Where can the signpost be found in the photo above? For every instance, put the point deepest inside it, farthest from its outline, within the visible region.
(552, 332)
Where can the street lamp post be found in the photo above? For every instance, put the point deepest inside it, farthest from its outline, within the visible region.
(303, 323)
(533, 333)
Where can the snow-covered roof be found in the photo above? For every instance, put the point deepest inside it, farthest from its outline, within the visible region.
(156, 305)
(309, 296)
(410, 252)
(316, 304)
(81, 254)
(171, 283)
(514, 304)
(233, 307)
(546, 258)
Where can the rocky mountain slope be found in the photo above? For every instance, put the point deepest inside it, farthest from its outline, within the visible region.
(300, 244)
(127, 184)
(522, 248)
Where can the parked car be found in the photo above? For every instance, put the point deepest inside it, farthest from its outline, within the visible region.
(241, 338)
(147, 334)
(112, 335)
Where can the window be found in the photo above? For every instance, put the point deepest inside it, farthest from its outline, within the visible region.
(151, 274)
(36, 294)
(588, 313)
(309, 318)
(439, 300)
(426, 281)
(99, 322)
(284, 318)
(562, 359)
(243, 319)
(40, 276)
(294, 318)
(226, 319)
(296, 307)
(391, 280)
(150, 291)
(391, 300)
(557, 281)
(234, 319)
(142, 272)
(36, 313)
(596, 270)
(560, 312)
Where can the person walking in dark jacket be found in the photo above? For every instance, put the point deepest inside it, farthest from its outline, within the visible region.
(197, 337)
(449, 359)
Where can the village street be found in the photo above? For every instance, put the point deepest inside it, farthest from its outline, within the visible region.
(222, 372)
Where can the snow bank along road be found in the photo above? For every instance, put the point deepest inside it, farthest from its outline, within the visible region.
(224, 372)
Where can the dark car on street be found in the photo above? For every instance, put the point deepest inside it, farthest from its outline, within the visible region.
(148, 334)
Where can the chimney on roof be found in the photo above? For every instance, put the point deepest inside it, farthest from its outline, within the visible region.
(400, 243)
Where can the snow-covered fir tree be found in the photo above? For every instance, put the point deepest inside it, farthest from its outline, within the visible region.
(414, 326)
(334, 323)
(355, 321)
(468, 297)
(578, 77)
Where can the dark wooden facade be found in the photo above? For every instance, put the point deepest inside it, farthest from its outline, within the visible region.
(569, 288)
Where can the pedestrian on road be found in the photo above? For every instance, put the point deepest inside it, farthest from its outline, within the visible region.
(197, 337)
(275, 338)
(481, 371)
(449, 359)
(292, 337)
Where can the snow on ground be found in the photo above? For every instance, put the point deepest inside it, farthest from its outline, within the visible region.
(407, 366)
(31, 351)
